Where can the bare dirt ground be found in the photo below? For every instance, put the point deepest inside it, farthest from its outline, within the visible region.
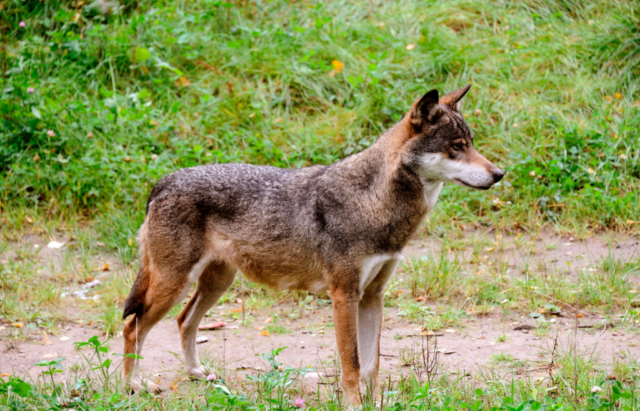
(470, 348)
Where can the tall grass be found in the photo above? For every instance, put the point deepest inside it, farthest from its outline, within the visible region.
(97, 106)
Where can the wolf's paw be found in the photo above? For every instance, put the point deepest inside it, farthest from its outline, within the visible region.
(141, 384)
(197, 373)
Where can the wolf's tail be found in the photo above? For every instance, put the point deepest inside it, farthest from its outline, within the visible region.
(135, 302)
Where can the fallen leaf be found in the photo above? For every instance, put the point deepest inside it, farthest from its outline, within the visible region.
(630, 222)
(268, 320)
(608, 98)
(182, 81)
(278, 120)
(105, 267)
(259, 327)
(618, 96)
(64, 338)
(420, 298)
(17, 325)
(449, 330)
(207, 66)
(89, 279)
(212, 326)
(4, 374)
(236, 310)
(173, 386)
(591, 170)
(410, 47)
(265, 333)
(46, 339)
(29, 219)
(337, 66)
(50, 355)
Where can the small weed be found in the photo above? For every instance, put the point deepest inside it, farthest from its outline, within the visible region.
(542, 328)
(502, 357)
(277, 329)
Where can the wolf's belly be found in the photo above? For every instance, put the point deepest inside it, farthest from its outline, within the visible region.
(283, 267)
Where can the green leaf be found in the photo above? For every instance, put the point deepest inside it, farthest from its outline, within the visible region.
(36, 112)
(141, 54)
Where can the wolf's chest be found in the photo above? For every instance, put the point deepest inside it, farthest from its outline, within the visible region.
(378, 269)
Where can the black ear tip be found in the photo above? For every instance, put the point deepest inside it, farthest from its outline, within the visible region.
(433, 94)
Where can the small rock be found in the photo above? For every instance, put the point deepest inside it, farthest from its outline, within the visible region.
(55, 245)
(91, 284)
(201, 339)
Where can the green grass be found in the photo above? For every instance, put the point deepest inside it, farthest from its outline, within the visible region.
(159, 86)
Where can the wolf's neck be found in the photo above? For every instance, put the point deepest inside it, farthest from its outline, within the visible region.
(431, 193)
(393, 182)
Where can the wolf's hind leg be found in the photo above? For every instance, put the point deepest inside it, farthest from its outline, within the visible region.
(212, 283)
(160, 297)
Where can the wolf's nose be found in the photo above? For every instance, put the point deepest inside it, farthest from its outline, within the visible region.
(497, 175)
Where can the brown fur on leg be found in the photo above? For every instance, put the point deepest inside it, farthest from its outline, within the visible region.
(345, 311)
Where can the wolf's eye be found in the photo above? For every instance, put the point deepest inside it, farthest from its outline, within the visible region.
(457, 147)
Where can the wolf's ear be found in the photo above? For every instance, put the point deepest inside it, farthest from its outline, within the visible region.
(426, 109)
(452, 100)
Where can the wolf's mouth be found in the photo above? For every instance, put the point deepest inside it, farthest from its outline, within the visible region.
(474, 187)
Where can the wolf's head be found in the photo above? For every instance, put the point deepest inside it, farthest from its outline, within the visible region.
(440, 144)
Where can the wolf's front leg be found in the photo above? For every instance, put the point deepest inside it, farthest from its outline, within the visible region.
(345, 311)
(370, 313)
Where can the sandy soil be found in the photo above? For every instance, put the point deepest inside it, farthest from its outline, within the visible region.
(468, 349)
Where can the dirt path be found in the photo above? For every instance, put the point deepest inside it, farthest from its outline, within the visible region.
(465, 350)
(469, 348)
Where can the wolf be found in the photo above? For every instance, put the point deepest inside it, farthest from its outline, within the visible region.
(338, 229)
